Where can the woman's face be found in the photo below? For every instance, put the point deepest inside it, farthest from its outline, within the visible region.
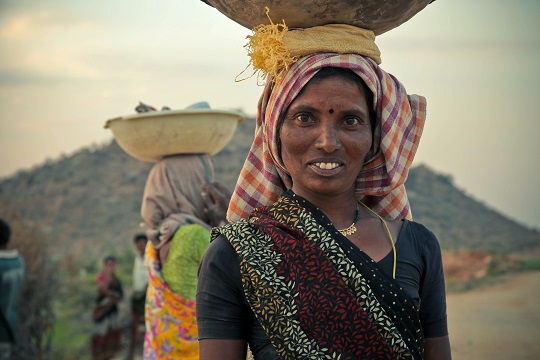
(325, 137)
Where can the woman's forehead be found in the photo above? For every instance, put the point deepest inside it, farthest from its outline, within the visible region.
(323, 87)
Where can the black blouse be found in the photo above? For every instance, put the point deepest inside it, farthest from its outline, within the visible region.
(223, 311)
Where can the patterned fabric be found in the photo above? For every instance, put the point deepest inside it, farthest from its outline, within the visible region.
(310, 298)
(171, 326)
(399, 117)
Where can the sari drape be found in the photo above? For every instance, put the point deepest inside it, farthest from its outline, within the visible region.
(310, 297)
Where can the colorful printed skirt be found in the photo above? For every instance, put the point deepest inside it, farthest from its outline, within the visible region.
(171, 325)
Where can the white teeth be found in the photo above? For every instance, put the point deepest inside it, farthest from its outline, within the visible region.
(327, 166)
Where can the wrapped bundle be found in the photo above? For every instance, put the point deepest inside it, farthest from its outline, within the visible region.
(378, 16)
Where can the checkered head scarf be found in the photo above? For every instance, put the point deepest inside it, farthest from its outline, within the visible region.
(399, 123)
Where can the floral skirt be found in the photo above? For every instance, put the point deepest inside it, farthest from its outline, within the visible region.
(171, 325)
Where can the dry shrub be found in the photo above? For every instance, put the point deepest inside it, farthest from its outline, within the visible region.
(36, 316)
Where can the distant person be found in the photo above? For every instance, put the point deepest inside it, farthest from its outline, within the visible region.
(140, 285)
(181, 202)
(12, 274)
(107, 328)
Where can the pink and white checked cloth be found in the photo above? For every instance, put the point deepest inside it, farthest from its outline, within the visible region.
(399, 117)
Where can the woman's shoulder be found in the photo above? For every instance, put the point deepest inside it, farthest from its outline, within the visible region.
(219, 264)
(220, 253)
(231, 228)
(418, 227)
(419, 234)
(219, 245)
(239, 234)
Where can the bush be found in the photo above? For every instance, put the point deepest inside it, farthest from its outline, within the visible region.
(36, 315)
(529, 264)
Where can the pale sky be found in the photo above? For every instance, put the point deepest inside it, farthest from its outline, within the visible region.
(66, 66)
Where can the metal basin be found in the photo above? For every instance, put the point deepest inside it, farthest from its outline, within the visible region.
(376, 15)
(153, 135)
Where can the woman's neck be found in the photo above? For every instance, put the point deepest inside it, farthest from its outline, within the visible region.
(339, 208)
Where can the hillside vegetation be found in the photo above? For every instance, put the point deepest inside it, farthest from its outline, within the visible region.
(89, 202)
(68, 213)
(460, 221)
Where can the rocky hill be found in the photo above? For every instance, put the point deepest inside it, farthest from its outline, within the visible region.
(459, 220)
(89, 202)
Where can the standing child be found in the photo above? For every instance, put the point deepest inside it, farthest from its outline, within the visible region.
(107, 332)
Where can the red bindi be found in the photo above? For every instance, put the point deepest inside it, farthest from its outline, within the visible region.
(331, 111)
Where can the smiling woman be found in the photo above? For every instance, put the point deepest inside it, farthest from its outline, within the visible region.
(291, 276)
(45, 63)
(326, 134)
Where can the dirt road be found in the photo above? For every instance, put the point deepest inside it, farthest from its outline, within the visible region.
(499, 322)
(495, 323)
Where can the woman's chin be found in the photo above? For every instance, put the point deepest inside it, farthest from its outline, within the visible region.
(323, 188)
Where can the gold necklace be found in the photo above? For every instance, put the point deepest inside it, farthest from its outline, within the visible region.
(389, 236)
(351, 229)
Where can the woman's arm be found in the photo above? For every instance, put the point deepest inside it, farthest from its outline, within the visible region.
(211, 349)
(216, 202)
(433, 300)
(437, 348)
(223, 315)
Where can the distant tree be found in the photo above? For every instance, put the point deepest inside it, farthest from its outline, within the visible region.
(36, 316)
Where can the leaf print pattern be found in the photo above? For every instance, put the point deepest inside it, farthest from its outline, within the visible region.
(310, 298)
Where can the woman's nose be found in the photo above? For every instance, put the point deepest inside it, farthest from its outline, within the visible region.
(328, 139)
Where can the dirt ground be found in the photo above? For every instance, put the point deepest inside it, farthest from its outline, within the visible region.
(497, 322)
(493, 323)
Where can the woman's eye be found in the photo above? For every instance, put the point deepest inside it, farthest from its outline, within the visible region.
(351, 121)
(303, 118)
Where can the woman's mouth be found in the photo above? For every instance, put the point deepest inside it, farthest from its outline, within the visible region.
(326, 168)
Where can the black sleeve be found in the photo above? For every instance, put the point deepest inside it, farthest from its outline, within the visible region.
(222, 311)
(432, 288)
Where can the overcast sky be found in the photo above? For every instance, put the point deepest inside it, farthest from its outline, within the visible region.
(66, 66)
